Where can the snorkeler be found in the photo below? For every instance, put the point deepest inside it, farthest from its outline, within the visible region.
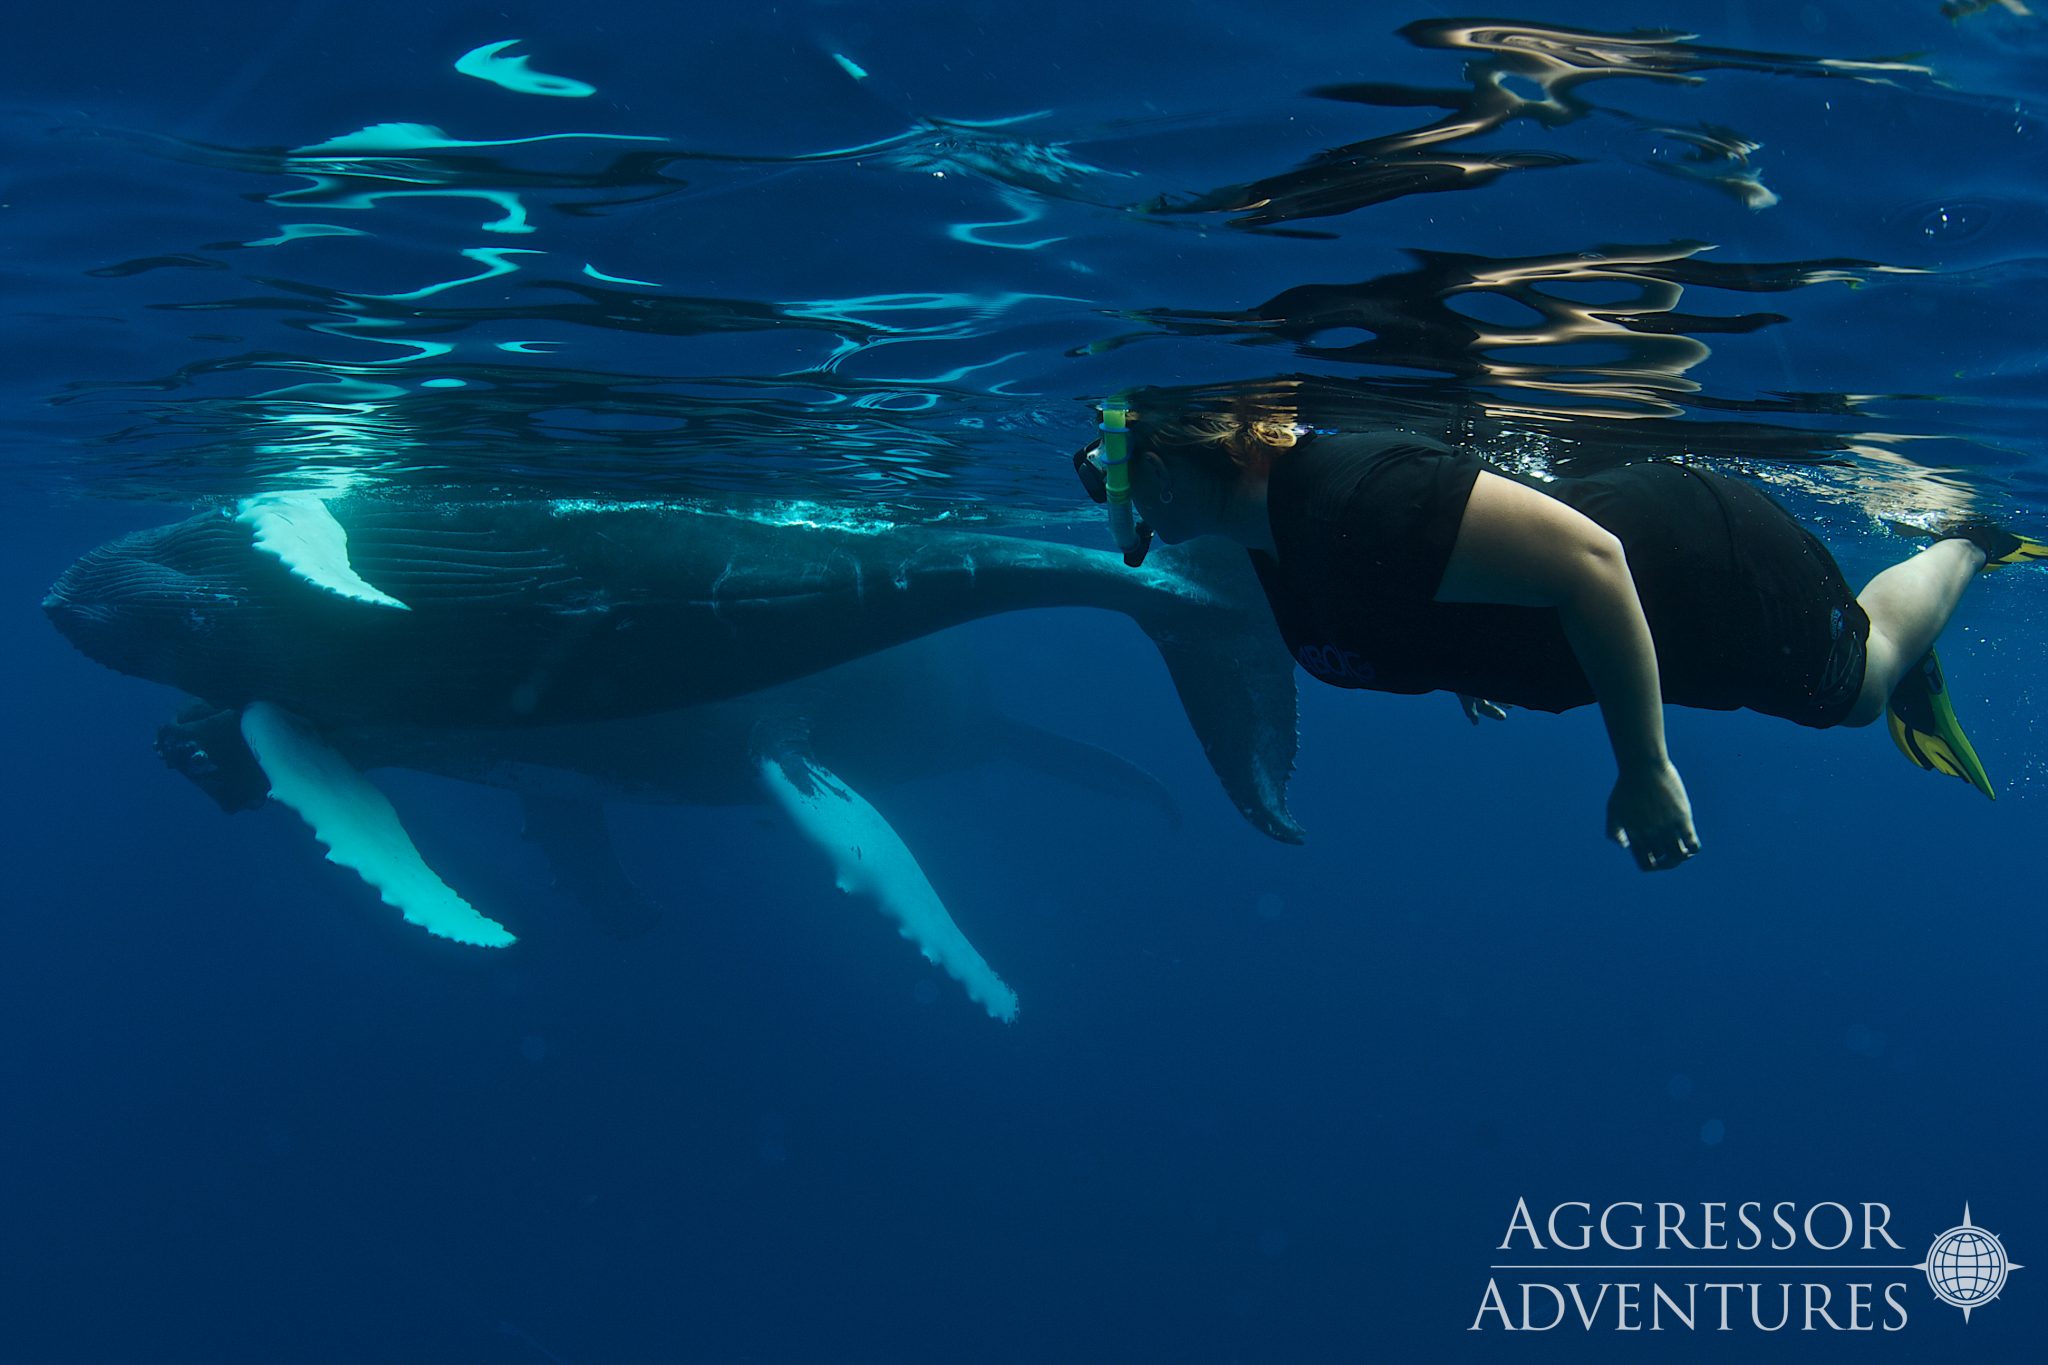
(1398, 564)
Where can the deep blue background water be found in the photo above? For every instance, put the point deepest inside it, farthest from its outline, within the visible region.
(1263, 1103)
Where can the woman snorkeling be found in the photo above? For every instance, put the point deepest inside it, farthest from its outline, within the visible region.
(1399, 564)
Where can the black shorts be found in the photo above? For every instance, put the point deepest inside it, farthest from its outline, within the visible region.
(1826, 700)
(1748, 609)
(1811, 636)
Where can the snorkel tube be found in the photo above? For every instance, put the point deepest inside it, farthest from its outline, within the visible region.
(1133, 536)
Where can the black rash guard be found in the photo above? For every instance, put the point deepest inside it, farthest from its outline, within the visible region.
(1746, 608)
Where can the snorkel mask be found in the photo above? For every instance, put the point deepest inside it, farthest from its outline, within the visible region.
(1104, 467)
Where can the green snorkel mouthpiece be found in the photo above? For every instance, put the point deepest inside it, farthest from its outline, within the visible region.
(1133, 536)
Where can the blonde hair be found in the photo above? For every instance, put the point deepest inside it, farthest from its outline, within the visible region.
(1251, 440)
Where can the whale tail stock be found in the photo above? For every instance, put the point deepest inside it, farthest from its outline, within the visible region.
(1221, 646)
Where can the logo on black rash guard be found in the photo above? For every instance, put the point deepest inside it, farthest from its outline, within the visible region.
(1334, 665)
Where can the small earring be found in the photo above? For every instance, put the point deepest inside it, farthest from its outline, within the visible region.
(1166, 495)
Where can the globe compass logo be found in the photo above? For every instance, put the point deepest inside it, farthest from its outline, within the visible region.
(1967, 1266)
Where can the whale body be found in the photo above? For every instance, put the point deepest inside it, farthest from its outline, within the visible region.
(549, 613)
(579, 653)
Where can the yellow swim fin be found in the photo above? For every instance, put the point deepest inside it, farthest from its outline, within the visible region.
(2002, 548)
(1924, 726)
(2021, 550)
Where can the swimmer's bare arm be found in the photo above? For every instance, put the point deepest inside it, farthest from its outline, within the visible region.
(1522, 547)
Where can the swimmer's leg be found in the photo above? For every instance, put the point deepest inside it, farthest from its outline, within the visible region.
(1908, 605)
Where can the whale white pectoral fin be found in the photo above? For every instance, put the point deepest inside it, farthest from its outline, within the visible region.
(358, 826)
(872, 861)
(303, 535)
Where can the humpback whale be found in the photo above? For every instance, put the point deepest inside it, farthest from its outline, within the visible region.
(321, 622)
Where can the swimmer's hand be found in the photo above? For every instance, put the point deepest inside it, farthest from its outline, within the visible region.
(1477, 708)
(1650, 816)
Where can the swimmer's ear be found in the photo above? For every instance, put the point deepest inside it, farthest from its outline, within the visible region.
(1157, 471)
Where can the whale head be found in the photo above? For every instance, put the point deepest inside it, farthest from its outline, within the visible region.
(120, 603)
(156, 603)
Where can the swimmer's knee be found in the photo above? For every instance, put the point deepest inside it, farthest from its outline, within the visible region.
(1883, 662)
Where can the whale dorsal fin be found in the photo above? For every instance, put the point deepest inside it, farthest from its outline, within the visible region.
(303, 535)
(358, 826)
(872, 862)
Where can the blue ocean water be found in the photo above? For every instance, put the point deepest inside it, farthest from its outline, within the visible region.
(1262, 1103)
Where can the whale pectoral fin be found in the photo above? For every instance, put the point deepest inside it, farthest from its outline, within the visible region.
(871, 861)
(1235, 678)
(302, 534)
(358, 826)
(578, 845)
